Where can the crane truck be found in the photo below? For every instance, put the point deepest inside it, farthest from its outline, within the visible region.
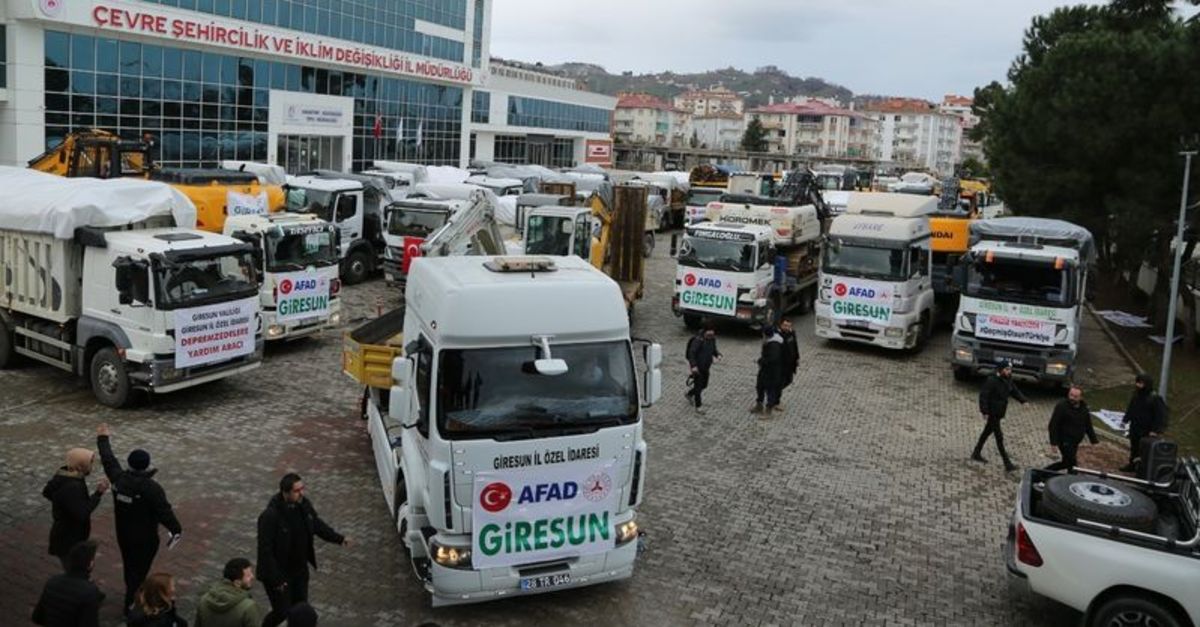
(109, 280)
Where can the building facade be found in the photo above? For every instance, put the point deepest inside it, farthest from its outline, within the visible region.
(301, 83)
(710, 102)
(914, 134)
(814, 128)
(961, 107)
(650, 120)
(721, 131)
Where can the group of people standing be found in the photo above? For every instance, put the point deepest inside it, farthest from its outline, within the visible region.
(778, 361)
(286, 529)
(1071, 420)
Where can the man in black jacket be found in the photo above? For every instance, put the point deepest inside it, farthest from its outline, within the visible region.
(140, 506)
(285, 546)
(770, 372)
(701, 353)
(71, 599)
(1070, 421)
(1146, 415)
(71, 505)
(791, 352)
(993, 405)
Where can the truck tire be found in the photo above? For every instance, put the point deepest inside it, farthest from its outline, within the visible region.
(109, 378)
(401, 517)
(962, 373)
(1135, 610)
(1069, 497)
(358, 266)
(691, 321)
(7, 354)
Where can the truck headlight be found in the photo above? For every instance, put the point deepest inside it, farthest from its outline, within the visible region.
(627, 531)
(1056, 368)
(823, 322)
(169, 373)
(451, 556)
(275, 330)
(902, 305)
(964, 354)
(893, 332)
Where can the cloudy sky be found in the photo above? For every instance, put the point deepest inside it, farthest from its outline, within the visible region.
(922, 48)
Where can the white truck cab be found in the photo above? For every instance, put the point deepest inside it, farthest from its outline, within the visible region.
(408, 224)
(558, 230)
(511, 453)
(875, 283)
(298, 265)
(342, 202)
(725, 270)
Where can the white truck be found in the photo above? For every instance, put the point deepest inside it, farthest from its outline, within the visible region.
(297, 258)
(1023, 283)
(876, 285)
(109, 280)
(409, 223)
(749, 263)
(510, 453)
(359, 219)
(1122, 551)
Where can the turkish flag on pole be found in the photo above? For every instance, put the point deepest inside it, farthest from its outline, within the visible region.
(412, 250)
(378, 130)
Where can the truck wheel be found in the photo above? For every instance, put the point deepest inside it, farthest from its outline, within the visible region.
(401, 513)
(1134, 610)
(807, 300)
(1070, 497)
(962, 373)
(110, 380)
(357, 267)
(7, 354)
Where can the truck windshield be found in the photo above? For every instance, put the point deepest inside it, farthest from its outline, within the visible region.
(701, 197)
(196, 282)
(1020, 281)
(832, 182)
(734, 256)
(299, 249)
(497, 392)
(549, 235)
(314, 201)
(865, 262)
(407, 221)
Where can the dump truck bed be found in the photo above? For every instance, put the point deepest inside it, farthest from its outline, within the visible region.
(369, 350)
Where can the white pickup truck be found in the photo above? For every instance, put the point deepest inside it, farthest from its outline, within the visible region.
(1122, 551)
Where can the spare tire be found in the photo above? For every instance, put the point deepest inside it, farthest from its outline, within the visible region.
(1071, 497)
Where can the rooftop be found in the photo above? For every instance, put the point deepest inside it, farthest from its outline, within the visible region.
(627, 100)
(900, 105)
(812, 107)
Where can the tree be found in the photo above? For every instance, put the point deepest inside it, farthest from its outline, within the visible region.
(1089, 127)
(974, 168)
(755, 137)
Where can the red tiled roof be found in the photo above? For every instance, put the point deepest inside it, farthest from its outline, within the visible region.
(952, 100)
(643, 101)
(900, 105)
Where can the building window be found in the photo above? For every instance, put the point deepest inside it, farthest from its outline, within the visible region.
(477, 38)
(3, 58)
(204, 107)
(552, 152)
(481, 103)
(386, 24)
(536, 113)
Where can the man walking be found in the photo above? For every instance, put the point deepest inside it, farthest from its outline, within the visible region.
(701, 353)
(71, 599)
(70, 504)
(791, 352)
(228, 603)
(770, 373)
(1070, 421)
(285, 546)
(993, 405)
(1146, 415)
(140, 506)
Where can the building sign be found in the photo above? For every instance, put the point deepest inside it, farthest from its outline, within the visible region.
(536, 515)
(861, 301)
(710, 292)
(141, 18)
(312, 115)
(599, 151)
(1019, 330)
(302, 296)
(215, 333)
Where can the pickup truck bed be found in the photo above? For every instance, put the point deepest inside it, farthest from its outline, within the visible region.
(368, 350)
(1104, 568)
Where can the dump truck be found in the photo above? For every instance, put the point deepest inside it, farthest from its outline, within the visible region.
(1024, 286)
(464, 418)
(216, 193)
(110, 281)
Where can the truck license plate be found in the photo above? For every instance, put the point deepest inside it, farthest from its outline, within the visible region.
(858, 324)
(547, 581)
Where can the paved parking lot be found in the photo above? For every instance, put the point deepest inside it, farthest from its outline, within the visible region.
(856, 505)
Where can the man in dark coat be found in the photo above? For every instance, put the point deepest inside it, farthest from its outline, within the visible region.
(701, 353)
(1146, 415)
(71, 505)
(770, 372)
(791, 352)
(140, 506)
(285, 546)
(1070, 421)
(993, 406)
(71, 599)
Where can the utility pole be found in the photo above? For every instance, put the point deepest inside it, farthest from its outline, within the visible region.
(1170, 338)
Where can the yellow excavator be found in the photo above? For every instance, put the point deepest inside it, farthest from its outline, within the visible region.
(216, 193)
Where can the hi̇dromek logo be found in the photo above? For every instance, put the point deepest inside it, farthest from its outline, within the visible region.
(495, 497)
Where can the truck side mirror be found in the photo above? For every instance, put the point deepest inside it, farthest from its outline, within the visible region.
(346, 208)
(131, 281)
(652, 380)
(400, 399)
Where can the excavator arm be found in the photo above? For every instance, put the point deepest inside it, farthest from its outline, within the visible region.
(472, 231)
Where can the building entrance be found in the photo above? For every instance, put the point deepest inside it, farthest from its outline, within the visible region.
(304, 153)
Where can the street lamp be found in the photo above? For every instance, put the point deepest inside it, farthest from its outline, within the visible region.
(1169, 343)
